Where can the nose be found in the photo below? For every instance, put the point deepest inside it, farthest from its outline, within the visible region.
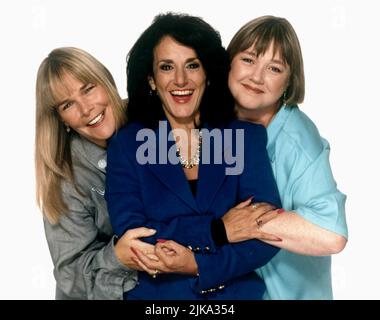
(257, 74)
(180, 77)
(85, 107)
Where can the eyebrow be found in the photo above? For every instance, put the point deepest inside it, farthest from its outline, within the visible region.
(66, 100)
(171, 61)
(253, 54)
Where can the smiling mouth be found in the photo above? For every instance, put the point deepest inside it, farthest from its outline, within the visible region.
(254, 90)
(181, 93)
(97, 120)
(182, 96)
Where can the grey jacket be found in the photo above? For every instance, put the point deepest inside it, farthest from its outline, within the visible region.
(82, 244)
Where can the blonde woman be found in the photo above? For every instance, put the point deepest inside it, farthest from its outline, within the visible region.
(78, 109)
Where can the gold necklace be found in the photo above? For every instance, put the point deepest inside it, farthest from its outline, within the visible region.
(194, 160)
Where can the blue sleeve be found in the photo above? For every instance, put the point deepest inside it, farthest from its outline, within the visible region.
(257, 179)
(234, 260)
(126, 207)
(126, 211)
(316, 197)
(230, 262)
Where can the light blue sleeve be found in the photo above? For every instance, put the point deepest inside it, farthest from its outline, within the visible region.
(316, 197)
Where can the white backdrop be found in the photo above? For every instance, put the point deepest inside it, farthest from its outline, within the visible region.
(341, 54)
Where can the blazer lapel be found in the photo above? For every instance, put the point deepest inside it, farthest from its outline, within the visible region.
(211, 174)
(171, 175)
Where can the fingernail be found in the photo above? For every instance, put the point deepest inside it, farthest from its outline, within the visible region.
(161, 240)
(280, 210)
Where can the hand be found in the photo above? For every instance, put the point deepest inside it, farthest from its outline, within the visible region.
(243, 221)
(176, 258)
(173, 258)
(131, 239)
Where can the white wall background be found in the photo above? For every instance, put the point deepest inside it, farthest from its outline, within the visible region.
(341, 54)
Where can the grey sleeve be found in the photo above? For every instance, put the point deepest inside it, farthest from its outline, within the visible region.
(85, 266)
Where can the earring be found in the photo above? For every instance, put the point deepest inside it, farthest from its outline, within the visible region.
(152, 92)
(68, 129)
(208, 82)
(284, 98)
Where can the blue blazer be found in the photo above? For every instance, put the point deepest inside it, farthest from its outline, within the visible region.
(158, 196)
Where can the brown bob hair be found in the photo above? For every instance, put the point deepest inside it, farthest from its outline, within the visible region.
(261, 33)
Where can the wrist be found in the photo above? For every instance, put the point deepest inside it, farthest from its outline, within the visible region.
(218, 232)
(195, 270)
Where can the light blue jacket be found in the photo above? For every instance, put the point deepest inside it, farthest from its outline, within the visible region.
(300, 162)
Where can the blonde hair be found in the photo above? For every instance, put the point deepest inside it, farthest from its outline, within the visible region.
(52, 142)
(261, 32)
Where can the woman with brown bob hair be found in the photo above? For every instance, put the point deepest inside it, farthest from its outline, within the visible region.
(267, 82)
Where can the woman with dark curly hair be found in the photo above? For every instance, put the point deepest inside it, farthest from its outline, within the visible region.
(182, 162)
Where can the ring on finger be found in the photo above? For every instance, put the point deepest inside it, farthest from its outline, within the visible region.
(254, 206)
(154, 275)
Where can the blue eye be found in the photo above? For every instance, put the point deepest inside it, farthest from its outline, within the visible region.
(275, 69)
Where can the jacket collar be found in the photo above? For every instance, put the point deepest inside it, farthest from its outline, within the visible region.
(88, 152)
(276, 126)
(210, 176)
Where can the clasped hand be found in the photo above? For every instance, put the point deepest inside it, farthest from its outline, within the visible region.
(168, 257)
(242, 222)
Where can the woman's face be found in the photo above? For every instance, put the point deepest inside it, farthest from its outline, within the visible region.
(86, 108)
(180, 80)
(258, 82)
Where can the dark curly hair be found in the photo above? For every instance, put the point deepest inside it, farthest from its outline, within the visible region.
(217, 104)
